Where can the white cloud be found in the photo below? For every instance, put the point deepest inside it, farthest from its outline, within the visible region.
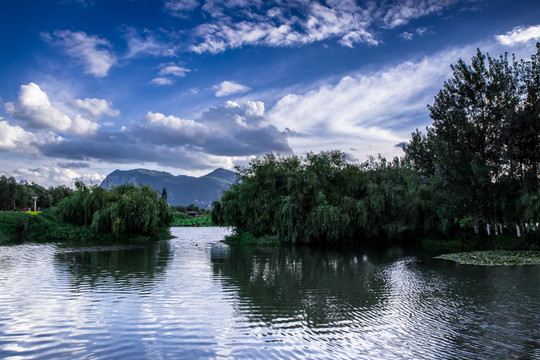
(146, 44)
(188, 127)
(166, 71)
(520, 34)
(53, 175)
(401, 12)
(172, 69)
(91, 178)
(295, 23)
(15, 139)
(406, 35)
(34, 108)
(254, 108)
(180, 7)
(162, 81)
(227, 88)
(96, 107)
(92, 52)
(365, 111)
(82, 126)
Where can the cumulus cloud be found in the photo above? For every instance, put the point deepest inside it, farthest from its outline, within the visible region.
(172, 130)
(241, 130)
(15, 139)
(227, 88)
(82, 126)
(520, 34)
(96, 107)
(91, 51)
(53, 175)
(35, 110)
(231, 130)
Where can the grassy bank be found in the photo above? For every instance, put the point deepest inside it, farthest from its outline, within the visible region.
(18, 226)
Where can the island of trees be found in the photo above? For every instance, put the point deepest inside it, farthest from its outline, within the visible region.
(84, 214)
(473, 174)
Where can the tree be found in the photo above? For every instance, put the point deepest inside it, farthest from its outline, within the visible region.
(482, 150)
(124, 210)
(164, 194)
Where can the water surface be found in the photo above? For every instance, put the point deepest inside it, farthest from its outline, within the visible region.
(195, 297)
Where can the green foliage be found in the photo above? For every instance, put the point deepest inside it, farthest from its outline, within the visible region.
(191, 207)
(476, 167)
(124, 210)
(481, 156)
(322, 198)
(16, 226)
(16, 196)
(88, 213)
(248, 239)
(182, 220)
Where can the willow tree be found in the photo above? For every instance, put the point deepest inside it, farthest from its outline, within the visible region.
(124, 210)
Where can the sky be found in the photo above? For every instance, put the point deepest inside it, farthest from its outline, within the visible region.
(187, 86)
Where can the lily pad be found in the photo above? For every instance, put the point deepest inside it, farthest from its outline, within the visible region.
(494, 257)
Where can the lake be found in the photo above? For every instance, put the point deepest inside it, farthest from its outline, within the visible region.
(194, 297)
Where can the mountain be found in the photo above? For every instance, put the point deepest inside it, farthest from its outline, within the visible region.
(181, 189)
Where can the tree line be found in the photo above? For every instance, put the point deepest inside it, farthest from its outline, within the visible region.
(90, 213)
(474, 170)
(16, 196)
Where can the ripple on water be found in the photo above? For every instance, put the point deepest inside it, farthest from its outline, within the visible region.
(193, 297)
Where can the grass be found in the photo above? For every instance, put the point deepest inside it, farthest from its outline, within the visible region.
(16, 226)
(183, 220)
(494, 257)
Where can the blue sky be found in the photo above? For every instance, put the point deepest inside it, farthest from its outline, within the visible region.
(186, 86)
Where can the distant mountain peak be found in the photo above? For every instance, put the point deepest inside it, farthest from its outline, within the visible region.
(182, 189)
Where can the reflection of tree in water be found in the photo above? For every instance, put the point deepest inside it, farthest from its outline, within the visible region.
(314, 286)
(127, 265)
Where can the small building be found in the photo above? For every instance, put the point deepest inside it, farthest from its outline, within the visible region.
(193, 213)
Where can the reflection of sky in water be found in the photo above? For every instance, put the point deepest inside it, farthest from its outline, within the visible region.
(194, 298)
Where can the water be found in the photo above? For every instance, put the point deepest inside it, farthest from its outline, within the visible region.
(193, 297)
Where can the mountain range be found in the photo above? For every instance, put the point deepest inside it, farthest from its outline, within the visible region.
(181, 189)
